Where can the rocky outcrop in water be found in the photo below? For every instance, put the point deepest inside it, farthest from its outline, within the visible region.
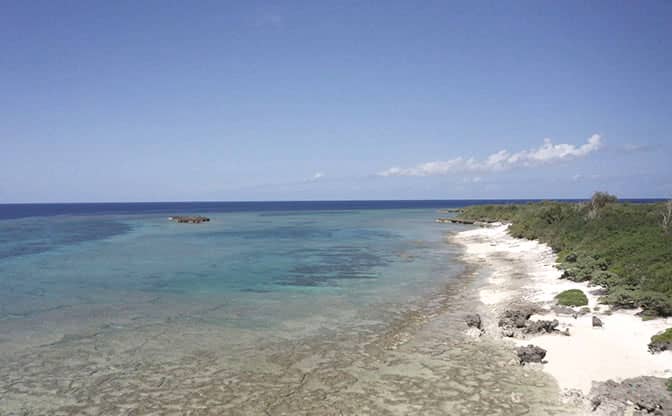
(633, 396)
(530, 354)
(197, 219)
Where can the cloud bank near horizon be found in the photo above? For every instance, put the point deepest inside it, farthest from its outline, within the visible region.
(502, 160)
(316, 176)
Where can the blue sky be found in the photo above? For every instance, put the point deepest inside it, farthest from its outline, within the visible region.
(162, 100)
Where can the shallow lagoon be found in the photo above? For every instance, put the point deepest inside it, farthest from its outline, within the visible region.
(283, 312)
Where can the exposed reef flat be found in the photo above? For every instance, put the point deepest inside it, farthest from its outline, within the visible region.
(163, 356)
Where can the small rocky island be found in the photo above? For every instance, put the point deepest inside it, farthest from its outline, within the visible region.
(185, 219)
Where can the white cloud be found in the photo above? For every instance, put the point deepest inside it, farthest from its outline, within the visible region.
(317, 175)
(502, 160)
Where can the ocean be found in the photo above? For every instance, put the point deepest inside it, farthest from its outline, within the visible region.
(351, 307)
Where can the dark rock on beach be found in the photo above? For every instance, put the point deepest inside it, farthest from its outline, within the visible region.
(563, 310)
(515, 318)
(633, 396)
(597, 322)
(530, 354)
(541, 326)
(516, 322)
(473, 320)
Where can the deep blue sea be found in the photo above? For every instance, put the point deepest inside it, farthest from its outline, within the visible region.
(9, 211)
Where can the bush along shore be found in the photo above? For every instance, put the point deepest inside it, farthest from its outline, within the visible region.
(625, 248)
(554, 316)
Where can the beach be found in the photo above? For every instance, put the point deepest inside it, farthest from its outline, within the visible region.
(520, 271)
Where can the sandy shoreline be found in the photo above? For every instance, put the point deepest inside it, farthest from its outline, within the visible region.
(523, 270)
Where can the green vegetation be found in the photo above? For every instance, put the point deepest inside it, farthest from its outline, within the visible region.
(624, 247)
(669, 384)
(663, 337)
(661, 342)
(572, 297)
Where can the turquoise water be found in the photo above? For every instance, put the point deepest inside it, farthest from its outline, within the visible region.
(290, 264)
(305, 312)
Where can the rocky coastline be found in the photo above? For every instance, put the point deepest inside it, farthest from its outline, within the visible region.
(453, 220)
(601, 358)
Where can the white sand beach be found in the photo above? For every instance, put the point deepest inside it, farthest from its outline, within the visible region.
(524, 270)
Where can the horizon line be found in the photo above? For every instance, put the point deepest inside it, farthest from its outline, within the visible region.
(326, 200)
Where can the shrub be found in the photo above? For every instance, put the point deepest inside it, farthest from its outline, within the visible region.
(572, 297)
(621, 297)
(621, 249)
(605, 279)
(667, 216)
(663, 337)
(661, 342)
(601, 199)
(570, 258)
(654, 304)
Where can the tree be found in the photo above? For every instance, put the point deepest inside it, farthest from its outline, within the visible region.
(667, 216)
(599, 201)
